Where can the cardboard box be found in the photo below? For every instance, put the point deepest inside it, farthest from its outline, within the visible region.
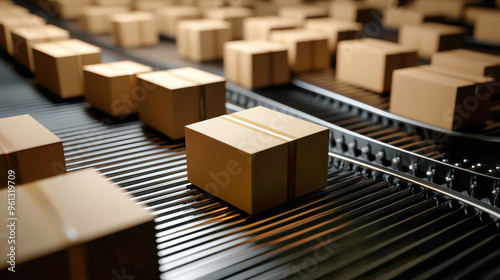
(168, 18)
(430, 38)
(71, 9)
(255, 64)
(281, 3)
(438, 99)
(29, 149)
(301, 13)
(353, 11)
(233, 15)
(260, 28)
(61, 65)
(171, 102)
(23, 39)
(263, 8)
(97, 19)
(212, 88)
(112, 87)
(473, 12)
(152, 6)
(486, 27)
(113, 2)
(474, 63)
(202, 39)
(383, 4)
(80, 226)
(9, 21)
(408, 16)
(335, 30)
(307, 50)
(134, 29)
(369, 63)
(12, 9)
(451, 9)
(258, 158)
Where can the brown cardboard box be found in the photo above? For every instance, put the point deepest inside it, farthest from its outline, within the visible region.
(281, 3)
(13, 10)
(430, 38)
(260, 28)
(257, 158)
(472, 13)
(486, 27)
(474, 63)
(96, 19)
(408, 16)
(212, 88)
(202, 39)
(61, 65)
(29, 149)
(9, 21)
(353, 11)
(335, 30)
(23, 39)
(152, 6)
(71, 9)
(307, 50)
(369, 63)
(264, 8)
(254, 64)
(233, 15)
(438, 99)
(170, 102)
(113, 2)
(169, 17)
(383, 5)
(134, 29)
(112, 87)
(451, 9)
(80, 226)
(301, 13)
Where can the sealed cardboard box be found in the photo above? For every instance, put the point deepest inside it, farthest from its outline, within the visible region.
(170, 103)
(429, 38)
(202, 39)
(30, 150)
(369, 63)
(233, 15)
(169, 17)
(112, 87)
(134, 29)
(212, 90)
(353, 11)
(408, 17)
(80, 226)
(335, 30)
(23, 39)
(486, 27)
(97, 19)
(9, 21)
(307, 50)
(254, 64)
(257, 158)
(71, 9)
(451, 9)
(260, 28)
(61, 65)
(467, 61)
(438, 98)
(301, 13)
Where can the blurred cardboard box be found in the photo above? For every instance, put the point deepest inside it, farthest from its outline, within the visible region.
(24, 37)
(9, 21)
(11, 9)
(169, 17)
(113, 2)
(353, 11)
(429, 38)
(408, 17)
(369, 63)
(255, 64)
(486, 27)
(71, 9)
(307, 50)
(134, 29)
(202, 39)
(260, 28)
(80, 226)
(472, 13)
(29, 149)
(301, 13)
(112, 87)
(335, 30)
(467, 61)
(97, 19)
(439, 98)
(233, 15)
(451, 9)
(61, 65)
(258, 158)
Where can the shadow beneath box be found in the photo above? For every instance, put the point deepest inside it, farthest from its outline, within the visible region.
(155, 133)
(54, 98)
(25, 72)
(107, 119)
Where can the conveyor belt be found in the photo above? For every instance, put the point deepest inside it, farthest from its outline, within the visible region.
(363, 224)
